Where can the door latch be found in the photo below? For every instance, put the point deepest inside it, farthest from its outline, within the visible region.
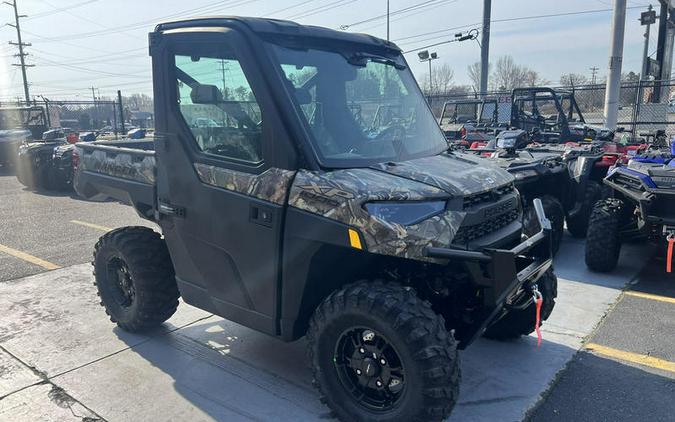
(171, 210)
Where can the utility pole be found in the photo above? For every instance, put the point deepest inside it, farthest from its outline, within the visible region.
(485, 47)
(387, 20)
(646, 19)
(594, 72)
(615, 59)
(21, 45)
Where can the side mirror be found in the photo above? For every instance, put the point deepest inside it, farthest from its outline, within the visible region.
(206, 94)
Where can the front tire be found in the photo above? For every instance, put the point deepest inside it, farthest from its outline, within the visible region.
(380, 353)
(517, 323)
(603, 242)
(135, 278)
(556, 215)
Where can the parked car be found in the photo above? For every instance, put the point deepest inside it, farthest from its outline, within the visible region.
(10, 140)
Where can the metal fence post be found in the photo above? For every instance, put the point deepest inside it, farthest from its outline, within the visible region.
(119, 101)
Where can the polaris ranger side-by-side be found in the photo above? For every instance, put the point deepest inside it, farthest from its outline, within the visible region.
(292, 216)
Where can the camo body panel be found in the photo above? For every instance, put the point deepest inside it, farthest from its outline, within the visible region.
(341, 194)
(137, 167)
(270, 185)
(455, 173)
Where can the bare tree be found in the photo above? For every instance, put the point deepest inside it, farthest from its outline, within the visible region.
(442, 80)
(573, 79)
(508, 75)
(473, 71)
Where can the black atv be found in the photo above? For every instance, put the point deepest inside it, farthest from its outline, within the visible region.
(294, 216)
(642, 208)
(538, 174)
(47, 163)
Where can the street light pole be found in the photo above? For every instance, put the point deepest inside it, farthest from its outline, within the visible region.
(425, 56)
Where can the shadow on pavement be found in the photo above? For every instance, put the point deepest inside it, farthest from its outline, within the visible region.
(229, 371)
(599, 389)
(570, 264)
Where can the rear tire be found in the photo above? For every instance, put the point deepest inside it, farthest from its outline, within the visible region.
(416, 341)
(517, 323)
(556, 215)
(578, 225)
(135, 278)
(603, 243)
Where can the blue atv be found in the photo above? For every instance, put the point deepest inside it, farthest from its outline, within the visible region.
(641, 208)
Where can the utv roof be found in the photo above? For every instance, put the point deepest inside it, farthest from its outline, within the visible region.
(278, 27)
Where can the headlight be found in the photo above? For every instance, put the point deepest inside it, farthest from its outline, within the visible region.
(405, 213)
(520, 175)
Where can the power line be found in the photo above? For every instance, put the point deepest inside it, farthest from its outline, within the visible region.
(321, 9)
(59, 9)
(420, 5)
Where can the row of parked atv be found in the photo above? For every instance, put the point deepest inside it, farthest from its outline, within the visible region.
(603, 185)
(48, 162)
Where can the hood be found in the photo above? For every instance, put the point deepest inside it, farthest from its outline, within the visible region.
(455, 173)
(12, 135)
(39, 146)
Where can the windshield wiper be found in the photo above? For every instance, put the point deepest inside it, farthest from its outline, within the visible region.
(360, 59)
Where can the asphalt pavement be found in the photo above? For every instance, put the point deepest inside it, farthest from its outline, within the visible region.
(607, 354)
(57, 228)
(626, 371)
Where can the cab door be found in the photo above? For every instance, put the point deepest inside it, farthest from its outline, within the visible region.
(221, 189)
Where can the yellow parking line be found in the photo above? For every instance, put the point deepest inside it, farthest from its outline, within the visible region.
(651, 296)
(28, 258)
(92, 225)
(645, 360)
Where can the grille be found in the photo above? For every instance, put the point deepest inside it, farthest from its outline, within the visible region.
(468, 233)
(489, 196)
(628, 181)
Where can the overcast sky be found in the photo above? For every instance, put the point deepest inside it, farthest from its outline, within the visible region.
(103, 43)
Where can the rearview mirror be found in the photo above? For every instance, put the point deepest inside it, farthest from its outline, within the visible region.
(206, 94)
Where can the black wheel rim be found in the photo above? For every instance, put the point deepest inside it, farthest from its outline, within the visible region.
(121, 283)
(369, 368)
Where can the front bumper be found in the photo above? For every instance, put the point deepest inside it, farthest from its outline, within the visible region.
(503, 274)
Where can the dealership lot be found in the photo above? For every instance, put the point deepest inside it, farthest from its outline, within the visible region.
(61, 359)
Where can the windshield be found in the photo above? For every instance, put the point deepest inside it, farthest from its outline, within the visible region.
(459, 113)
(360, 109)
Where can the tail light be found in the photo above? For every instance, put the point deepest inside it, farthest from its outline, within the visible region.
(607, 161)
(75, 160)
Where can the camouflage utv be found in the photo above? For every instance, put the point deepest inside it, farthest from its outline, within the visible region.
(298, 213)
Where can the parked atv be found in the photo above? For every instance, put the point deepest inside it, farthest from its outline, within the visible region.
(556, 114)
(296, 218)
(539, 174)
(465, 122)
(10, 140)
(46, 164)
(642, 207)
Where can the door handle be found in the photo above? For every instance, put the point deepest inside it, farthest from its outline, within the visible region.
(172, 210)
(261, 215)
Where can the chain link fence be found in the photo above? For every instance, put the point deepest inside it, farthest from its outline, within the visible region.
(644, 107)
(104, 116)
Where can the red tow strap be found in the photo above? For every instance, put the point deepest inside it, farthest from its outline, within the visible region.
(538, 299)
(669, 255)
